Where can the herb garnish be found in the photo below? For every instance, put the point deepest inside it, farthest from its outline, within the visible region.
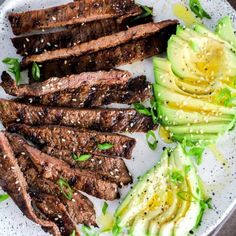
(104, 208)
(196, 8)
(73, 233)
(193, 151)
(187, 169)
(14, 67)
(35, 71)
(65, 188)
(116, 230)
(104, 146)
(225, 97)
(146, 11)
(176, 177)
(88, 231)
(150, 111)
(82, 157)
(140, 108)
(4, 197)
(151, 140)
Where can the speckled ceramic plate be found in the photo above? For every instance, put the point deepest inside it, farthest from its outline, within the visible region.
(219, 178)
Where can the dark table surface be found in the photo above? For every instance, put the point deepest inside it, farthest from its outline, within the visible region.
(229, 227)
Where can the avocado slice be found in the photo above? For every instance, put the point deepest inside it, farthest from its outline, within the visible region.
(168, 214)
(171, 116)
(185, 224)
(210, 128)
(199, 57)
(225, 30)
(142, 196)
(196, 139)
(187, 103)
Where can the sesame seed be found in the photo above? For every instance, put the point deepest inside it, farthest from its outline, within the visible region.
(17, 120)
(100, 162)
(63, 140)
(54, 18)
(27, 39)
(42, 40)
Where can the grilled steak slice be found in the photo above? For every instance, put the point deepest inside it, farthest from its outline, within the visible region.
(13, 182)
(52, 207)
(54, 169)
(91, 89)
(109, 58)
(107, 120)
(75, 140)
(80, 209)
(71, 13)
(79, 33)
(73, 53)
(113, 169)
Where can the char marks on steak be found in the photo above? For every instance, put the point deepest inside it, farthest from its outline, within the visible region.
(113, 169)
(71, 13)
(73, 53)
(13, 182)
(75, 140)
(79, 33)
(132, 51)
(53, 169)
(103, 120)
(81, 209)
(90, 89)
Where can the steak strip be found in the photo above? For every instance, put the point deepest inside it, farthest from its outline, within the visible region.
(131, 34)
(103, 120)
(75, 140)
(91, 89)
(54, 169)
(113, 169)
(77, 34)
(109, 58)
(71, 13)
(80, 209)
(52, 207)
(13, 182)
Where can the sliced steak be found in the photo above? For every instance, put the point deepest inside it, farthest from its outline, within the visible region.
(113, 169)
(71, 13)
(79, 33)
(105, 120)
(91, 89)
(13, 182)
(52, 207)
(132, 51)
(84, 180)
(73, 53)
(75, 140)
(80, 209)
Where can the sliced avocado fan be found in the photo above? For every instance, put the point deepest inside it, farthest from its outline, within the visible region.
(168, 200)
(195, 88)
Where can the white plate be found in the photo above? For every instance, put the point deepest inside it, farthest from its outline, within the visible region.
(220, 180)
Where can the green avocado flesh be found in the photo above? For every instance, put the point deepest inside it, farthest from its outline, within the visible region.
(195, 88)
(157, 204)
